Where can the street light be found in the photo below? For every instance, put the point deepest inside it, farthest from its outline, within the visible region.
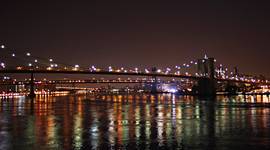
(3, 65)
(2, 46)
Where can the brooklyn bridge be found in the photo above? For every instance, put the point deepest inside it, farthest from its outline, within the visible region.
(202, 76)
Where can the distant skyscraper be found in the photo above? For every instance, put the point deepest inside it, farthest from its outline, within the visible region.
(235, 71)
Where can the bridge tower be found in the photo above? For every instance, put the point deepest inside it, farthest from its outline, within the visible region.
(32, 87)
(154, 84)
(206, 68)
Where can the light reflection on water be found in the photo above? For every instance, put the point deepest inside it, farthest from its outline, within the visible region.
(135, 122)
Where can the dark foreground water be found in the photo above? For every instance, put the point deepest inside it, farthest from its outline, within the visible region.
(134, 122)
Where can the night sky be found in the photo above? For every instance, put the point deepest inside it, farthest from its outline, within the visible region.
(139, 33)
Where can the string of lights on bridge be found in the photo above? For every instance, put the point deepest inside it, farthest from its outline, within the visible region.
(39, 63)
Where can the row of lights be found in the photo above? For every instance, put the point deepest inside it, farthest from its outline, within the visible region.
(28, 54)
(76, 67)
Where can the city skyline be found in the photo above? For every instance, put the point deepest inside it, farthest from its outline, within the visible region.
(128, 74)
(140, 34)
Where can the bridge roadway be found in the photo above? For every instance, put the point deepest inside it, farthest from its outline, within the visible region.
(75, 82)
(16, 71)
(97, 73)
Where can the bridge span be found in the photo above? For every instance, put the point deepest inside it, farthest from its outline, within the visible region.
(86, 72)
(207, 75)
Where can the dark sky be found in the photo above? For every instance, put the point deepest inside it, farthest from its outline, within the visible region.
(139, 33)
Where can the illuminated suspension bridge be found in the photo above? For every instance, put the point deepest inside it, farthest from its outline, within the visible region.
(204, 71)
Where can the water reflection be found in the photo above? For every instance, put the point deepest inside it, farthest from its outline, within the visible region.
(134, 122)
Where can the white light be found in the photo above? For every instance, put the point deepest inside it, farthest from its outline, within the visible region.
(50, 60)
(110, 69)
(55, 65)
(29, 64)
(205, 56)
(36, 60)
(94, 68)
(13, 55)
(172, 90)
(77, 66)
(2, 46)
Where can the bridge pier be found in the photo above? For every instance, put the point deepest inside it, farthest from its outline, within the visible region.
(32, 87)
(206, 87)
(154, 84)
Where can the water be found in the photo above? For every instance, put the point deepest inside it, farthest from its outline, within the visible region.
(135, 122)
